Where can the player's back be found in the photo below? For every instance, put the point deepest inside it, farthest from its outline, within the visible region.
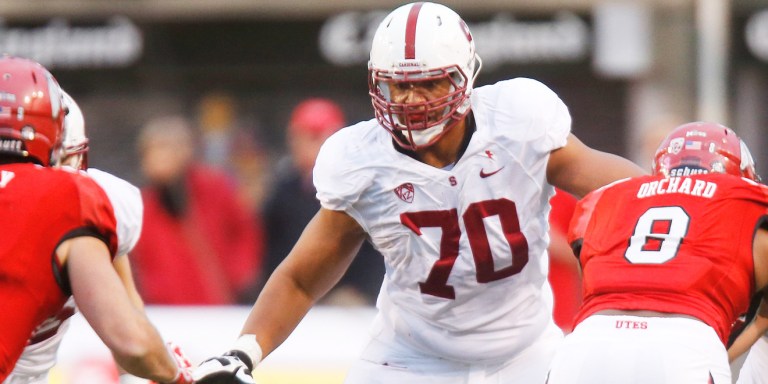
(39, 208)
(674, 245)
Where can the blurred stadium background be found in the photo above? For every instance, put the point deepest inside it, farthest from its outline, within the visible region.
(622, 67)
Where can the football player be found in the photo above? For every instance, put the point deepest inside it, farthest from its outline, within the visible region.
(40, 354)
(451, 184)
(60, 237)
(669, 263)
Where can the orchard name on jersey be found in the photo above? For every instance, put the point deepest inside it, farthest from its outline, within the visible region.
(684, 185)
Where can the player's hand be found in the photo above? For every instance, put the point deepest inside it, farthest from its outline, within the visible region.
(233, 367)
(184, 374)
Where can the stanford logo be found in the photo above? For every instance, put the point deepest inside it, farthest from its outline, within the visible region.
(405, 192)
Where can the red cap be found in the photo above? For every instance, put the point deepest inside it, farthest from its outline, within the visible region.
(316, 116)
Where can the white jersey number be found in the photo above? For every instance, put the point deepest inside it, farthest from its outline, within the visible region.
(658, 235)
(448, 220)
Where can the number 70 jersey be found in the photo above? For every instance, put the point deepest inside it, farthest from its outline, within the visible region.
(464, 248)
(676, 245)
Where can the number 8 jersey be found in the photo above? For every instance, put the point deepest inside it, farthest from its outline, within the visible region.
(464, 248)
(678, 245)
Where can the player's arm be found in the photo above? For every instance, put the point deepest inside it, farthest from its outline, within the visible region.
(123, 268)
(752, 332)
(561, 250)
(106, 305)
(579, 169)
(759, 325)
(315, 264)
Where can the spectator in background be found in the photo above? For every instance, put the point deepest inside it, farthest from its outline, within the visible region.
(291, 204)
(199, 245)
(227, 145)
(250, 164)
(216, 115)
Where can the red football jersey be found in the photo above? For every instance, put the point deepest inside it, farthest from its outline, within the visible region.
(40, 208)
(678, 245)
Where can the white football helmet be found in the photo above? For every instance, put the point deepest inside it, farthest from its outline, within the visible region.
(422, 42)
(75, 146)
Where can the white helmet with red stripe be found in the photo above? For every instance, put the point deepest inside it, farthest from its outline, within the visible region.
(422, 42)
(75, 144)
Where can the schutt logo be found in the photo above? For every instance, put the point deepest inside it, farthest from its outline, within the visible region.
(405, 192)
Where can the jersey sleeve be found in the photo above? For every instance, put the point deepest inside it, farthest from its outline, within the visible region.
(337, 176)
(541, 110)
(127, 206)
(555, 119)
(96, 213)
(758, 192)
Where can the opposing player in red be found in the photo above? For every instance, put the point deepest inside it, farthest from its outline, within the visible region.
(40, 354)
(669, 263)
(59, 236)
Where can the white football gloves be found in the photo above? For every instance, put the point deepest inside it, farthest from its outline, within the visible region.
(233, 367)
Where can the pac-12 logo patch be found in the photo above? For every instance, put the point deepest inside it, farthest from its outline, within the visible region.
(405, 192)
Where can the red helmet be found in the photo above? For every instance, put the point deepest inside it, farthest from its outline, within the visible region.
(699, 147)
(31, 114)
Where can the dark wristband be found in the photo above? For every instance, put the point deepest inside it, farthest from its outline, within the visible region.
(242, 356)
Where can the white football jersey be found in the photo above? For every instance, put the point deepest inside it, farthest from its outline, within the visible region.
(465, 248)
(40, 355)
(127, 206)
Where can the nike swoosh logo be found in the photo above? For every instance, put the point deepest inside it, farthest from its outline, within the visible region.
(483, 174)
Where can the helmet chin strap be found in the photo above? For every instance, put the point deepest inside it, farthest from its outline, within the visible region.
(424, 136)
